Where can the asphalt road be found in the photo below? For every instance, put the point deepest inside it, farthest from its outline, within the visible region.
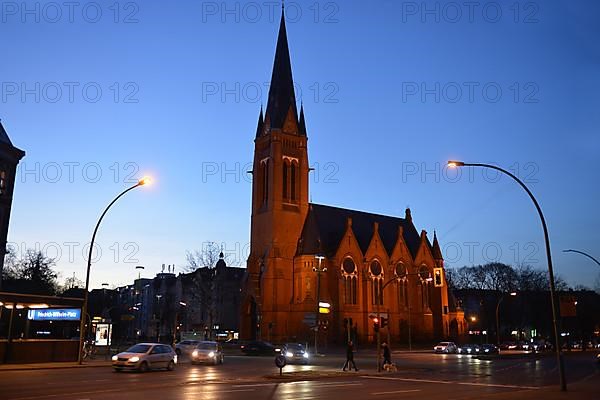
(419, 376)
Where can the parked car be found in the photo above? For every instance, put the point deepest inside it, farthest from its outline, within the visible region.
(295, 353)
(468, 349)
(488, 349)
(208, 352)
(145, 356)
(445, 347)
(258, 348)
(186, 347)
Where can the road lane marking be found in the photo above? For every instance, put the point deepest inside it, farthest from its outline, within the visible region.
(397, 391)
(498, 385)
(221, 391)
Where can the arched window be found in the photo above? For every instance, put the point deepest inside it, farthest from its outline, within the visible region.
(350, 279)
(294, 169)
(285, 179)
(376, 282)
(265, 183)
(425, 280)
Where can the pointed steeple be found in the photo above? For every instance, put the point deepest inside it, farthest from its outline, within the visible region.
(4, 136)
(259, 126)
(436, 251)
(281, 92)
(301, 122)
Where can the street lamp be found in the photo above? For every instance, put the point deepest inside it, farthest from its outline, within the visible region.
(181, 304)
(141, 182)
(497, 315)
(318, 270)
(581, 252)
(139, 268)
(553, 301)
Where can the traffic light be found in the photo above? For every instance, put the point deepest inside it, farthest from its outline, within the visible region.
(384, 322)
(437, 277)
(375, 325)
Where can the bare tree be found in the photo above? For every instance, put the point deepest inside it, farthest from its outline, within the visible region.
(207, 257)
(33, 273)
(202, 266)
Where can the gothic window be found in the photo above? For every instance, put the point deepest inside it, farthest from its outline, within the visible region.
(376, 282)
(294, 169)
(402, 293)
(285, 179)
(349, 279)
(425, 278)
(264, 166)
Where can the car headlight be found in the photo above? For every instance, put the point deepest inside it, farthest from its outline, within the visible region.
(305, 355)
(134, 359)
(211, 354)
(195, 353)
(487, 350)
(288, 354)
(115, 358)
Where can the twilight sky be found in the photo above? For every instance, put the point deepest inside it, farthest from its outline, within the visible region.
(98, 93)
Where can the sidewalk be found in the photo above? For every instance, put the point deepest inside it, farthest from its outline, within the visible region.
(55, 365)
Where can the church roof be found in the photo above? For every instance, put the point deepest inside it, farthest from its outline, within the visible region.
(435, 250)
(281, 91)
(4, 136)
(325, 226)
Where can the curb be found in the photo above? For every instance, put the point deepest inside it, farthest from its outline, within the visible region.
(29, 367)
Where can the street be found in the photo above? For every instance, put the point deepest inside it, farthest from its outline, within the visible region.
(419, 375)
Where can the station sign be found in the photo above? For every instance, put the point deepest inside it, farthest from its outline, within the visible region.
(56, 314)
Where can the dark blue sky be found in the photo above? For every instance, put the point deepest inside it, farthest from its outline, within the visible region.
(391, 90)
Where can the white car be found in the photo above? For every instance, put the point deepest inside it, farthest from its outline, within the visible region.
(445, 347)
(185, 347)
(145, 356)
(208, 352)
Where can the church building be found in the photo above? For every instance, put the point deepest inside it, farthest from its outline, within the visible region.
(355, 263)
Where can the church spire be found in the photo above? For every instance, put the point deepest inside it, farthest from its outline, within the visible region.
(281, 91)
(437, 252)
(259, 126)
(302, 122)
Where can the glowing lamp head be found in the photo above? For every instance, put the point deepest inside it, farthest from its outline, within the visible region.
(145, 181)
(454, 163)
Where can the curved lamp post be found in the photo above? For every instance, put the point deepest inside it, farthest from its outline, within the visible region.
(581, 252)
(141, 182)
(561, 371)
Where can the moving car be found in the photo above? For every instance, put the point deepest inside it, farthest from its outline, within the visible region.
(145, 356)
(468, 349)
(186, 347)
(258, 348)
(508, 346)
(445, 347)
(208, 352)
(295, 353)
(488, 349)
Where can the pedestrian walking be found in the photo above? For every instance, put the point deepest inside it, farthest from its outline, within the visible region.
(350, 357)
(387, 354)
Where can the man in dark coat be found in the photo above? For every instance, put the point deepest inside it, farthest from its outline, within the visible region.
(387, 354)
(350, 357)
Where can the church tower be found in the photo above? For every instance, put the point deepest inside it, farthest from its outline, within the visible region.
(9, 158)
(279, 202)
